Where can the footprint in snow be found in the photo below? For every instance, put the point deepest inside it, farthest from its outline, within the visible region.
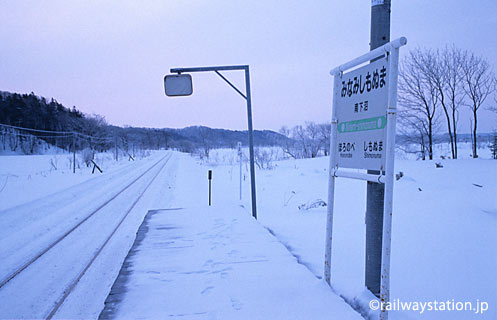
(206, 290)
(237, 305)
(208, 262)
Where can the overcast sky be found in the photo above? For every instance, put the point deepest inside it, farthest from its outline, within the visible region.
(110, 56)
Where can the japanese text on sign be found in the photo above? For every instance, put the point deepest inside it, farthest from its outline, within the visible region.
(371, 82)
(361, 98)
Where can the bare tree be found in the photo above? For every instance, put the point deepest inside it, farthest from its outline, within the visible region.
(478, 85)
(289, 146)
(418, 98)
(93, 127)
(493, 145)
(263, 158)
(494, 106)
(453, 60)
(444, 69)
(314, 141)
(305, 141)
(204, 135)
(300, 136)
(413, 132)
(325, 135)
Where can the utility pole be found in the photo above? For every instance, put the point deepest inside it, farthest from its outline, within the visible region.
(74, 152)
(380, 34)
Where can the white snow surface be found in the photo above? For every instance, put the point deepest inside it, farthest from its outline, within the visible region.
(29, 227)
(444, 232)
(25, 178)
(219, 263)
(444, 235)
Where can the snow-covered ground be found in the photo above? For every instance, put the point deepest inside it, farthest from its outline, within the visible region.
(444, 223)
(444, 228)
(31, 224)
(216, 263)
(29, 177)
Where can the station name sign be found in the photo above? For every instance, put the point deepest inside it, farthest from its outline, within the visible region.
(361, 98)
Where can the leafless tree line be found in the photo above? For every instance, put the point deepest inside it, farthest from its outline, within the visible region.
(308, 140)
(433, 87)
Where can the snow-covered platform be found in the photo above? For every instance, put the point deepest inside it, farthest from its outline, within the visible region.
(216, 263)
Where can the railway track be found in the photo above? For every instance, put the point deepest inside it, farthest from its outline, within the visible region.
(88, 227)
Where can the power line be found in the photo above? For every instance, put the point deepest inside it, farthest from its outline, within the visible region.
(61, 133)
(34, 130)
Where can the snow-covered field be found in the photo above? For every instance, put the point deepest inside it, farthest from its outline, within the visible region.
(444, 225)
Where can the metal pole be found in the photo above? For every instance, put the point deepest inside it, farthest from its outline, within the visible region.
(331, 190)
(380, 35)
(209, 176)
(389, 169)
(251, 141)
(248, 97)
(240, 160)
(73, 153)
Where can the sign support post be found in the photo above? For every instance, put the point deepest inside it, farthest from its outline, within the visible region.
(363, 137)
(379, 35)
(389, 172)
(247, 97)
(331, 190)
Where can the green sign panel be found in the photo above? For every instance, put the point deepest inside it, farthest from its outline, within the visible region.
(375, 123)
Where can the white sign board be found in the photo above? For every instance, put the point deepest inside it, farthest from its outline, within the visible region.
(360, 99)
(363, 137)
(377, 2)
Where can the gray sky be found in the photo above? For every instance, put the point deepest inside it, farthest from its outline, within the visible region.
(110, 56)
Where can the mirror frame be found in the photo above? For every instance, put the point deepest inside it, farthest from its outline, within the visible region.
(169, 76)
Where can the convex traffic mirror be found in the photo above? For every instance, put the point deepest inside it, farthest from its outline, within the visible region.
(178, 85)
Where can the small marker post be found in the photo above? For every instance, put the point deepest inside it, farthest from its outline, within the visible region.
(73, 152)
(240, 158)
(209, 176)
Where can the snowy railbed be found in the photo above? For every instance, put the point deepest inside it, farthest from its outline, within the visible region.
(25, 178)
(444, 227)
(50, 242)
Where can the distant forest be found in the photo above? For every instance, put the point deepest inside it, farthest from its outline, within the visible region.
(94, 133)
(33, 112)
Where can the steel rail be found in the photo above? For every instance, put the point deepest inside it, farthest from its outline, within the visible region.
(69, 289)
(42, 252)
